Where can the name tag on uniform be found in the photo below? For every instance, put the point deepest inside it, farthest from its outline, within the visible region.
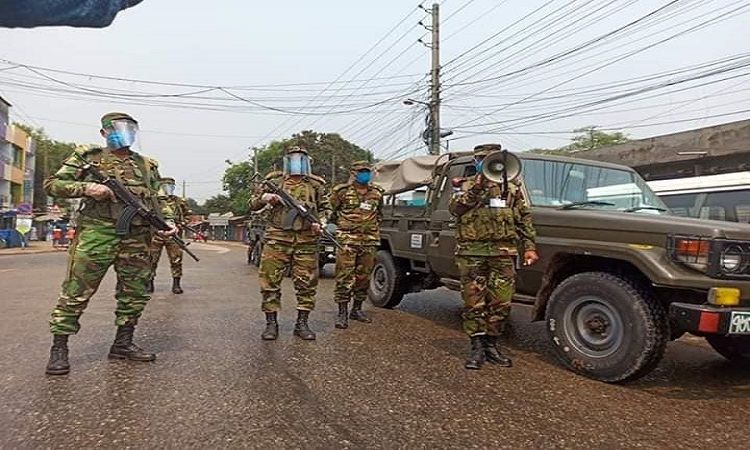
(497, 203)
(366, 206)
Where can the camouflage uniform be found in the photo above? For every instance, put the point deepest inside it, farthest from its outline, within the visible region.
(96, 245)
(174, 252)
(357, 216)
(289, 240)
(490, 232)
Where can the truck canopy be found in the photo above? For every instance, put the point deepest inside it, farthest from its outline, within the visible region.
(408, 174)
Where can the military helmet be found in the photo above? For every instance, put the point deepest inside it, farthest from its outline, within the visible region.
(166, 180)
(361, 165)
(295, 149)
(486, 149)
(109, 117)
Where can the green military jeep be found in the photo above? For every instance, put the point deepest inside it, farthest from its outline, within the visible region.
(619, 275)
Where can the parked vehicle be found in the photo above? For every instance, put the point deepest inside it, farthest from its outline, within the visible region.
(619, 275)
(718, 197)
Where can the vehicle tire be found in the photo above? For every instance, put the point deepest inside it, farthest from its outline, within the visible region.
(254, 255)
(733, 348)
(387, 286)
(606, 327)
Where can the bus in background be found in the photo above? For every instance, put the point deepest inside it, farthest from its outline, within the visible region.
(717, 197)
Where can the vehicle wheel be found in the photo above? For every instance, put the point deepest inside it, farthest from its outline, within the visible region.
(733, 348)
(606, 327)
(387, 286)
(254, 255)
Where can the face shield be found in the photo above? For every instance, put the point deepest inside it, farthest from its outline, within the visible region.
(296, 164)
(121, 133)
(167, 189)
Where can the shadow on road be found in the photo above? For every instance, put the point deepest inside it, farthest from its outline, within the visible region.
(690, 369)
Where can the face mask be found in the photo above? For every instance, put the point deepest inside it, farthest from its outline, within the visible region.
(478, 164)
(363, 177)
(296, 164)
(168, 189)
(122, 134)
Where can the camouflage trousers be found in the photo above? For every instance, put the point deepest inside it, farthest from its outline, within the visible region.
(276, 258)
(353, 267)
(93, 250)
(174, 252)
(487, 287)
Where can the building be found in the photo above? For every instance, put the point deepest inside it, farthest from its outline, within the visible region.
(16, 168)
(711, 150)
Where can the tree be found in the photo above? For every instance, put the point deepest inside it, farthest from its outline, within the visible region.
(218, 204)
(331, 154)
(588, 138)
(194, 206)
(50, 155)
(331, 157)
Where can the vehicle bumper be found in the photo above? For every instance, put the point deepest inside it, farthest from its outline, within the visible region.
(708, 319)
(327, 254)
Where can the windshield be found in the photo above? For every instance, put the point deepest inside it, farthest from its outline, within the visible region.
(560, 183)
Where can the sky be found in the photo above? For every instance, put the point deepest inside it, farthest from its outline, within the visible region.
(207, 81)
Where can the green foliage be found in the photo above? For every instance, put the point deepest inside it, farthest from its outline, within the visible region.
(218, 204)
(330, 154)
(588, 138)
(194, 206)
(50, 155)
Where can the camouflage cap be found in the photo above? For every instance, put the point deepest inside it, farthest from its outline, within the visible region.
(295, 149)
(109, 117)
(361, 165)
(486, 149)
(166, 180)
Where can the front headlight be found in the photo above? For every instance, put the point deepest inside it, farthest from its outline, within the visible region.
(691, 251)
(732, 259)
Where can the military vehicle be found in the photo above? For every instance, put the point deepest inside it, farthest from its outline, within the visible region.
(619, 275)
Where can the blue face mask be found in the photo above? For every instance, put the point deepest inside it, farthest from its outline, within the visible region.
(478, 165)
(363, 177)
(116, 139)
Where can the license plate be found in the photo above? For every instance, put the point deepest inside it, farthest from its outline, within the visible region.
(329, 248)
(740, 322)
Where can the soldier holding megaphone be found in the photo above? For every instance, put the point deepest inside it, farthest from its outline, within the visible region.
(494, 223)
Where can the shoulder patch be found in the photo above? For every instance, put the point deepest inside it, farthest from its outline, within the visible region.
(379, 188)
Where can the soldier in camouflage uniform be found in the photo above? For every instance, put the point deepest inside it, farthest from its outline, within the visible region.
(493, 223)
(290, 241)
(174, 252)
(357, 208)
(97, 246)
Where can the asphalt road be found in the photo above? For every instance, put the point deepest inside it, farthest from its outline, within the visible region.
(396, 383)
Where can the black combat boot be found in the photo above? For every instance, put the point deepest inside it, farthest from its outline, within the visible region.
(493, 355)
(123, 347)
(58, 356)
(341, 321)
(150, 286)
(272, 327)
(476, 354)
(357, 313)
(301, 329)
(176, 289)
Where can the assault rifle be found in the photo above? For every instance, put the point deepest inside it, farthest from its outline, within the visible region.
(300, 210)
(133, 206)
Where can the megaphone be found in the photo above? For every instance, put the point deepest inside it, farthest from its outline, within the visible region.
(501, 166)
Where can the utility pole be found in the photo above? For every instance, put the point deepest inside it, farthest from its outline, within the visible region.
(184, 194)
(255, 159)
(435, 85)
(333, 169)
